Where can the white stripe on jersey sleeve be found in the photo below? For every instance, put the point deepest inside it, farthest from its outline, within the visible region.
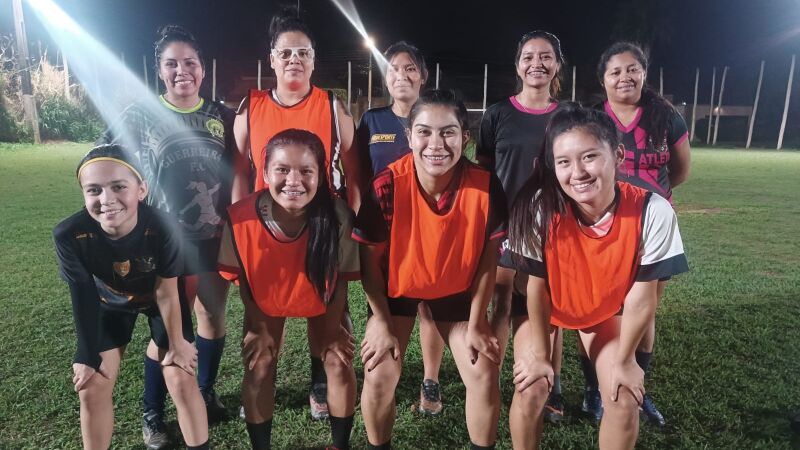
(661, 238)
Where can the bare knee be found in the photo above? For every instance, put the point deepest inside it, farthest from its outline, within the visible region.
(482, 375)
(382, 380)
(262, 370)
(96, 393)
(335, 368)
(625, 408)
(532, 399)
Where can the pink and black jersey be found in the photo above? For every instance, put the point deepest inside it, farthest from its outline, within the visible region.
(646, 162)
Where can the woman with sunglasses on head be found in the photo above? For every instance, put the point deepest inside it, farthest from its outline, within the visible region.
(509, 140)
(185, 148)
(381, 138)
(296, 103)
(594, 249)
(657, 158)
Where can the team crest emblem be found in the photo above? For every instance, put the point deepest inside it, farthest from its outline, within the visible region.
(122, 268)
(216, 128)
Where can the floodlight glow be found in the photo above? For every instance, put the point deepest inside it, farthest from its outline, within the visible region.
(348, 9)
(105, 79)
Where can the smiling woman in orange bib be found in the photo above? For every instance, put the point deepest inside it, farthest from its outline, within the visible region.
(594, 250)
(430, 231)
(289, 247)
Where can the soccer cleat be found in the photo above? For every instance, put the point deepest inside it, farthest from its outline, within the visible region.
(796, 422)
(649, 413)
(214, 407)
(593, 404)
(554, 408)
(154, 431)
(318, 399)
(430, 398)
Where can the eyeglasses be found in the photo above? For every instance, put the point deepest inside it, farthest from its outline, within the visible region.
(286, 54)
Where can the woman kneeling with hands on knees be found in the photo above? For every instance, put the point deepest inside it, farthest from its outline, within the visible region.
(594, 249)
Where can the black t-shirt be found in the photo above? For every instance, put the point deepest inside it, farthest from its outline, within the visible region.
(381, 138)
(510, 138)
(120, 273)
(186, 158)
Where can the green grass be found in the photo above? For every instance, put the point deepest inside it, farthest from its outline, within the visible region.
(726, 371)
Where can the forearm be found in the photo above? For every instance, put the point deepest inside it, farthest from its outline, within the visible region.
(170, 309)
(335, 309)
(539, 306)
(640, 307)
(354, 180)
(373, 280)
(483, 286)
(86, 311)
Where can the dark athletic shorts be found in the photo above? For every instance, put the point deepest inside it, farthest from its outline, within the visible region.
(200, 256)
(453, 308)
(116, 326)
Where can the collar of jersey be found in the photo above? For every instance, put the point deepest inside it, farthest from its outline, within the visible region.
(181, 110)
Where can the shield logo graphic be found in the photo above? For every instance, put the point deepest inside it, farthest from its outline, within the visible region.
(122, 268)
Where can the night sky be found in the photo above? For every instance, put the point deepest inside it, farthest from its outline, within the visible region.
(686, 32)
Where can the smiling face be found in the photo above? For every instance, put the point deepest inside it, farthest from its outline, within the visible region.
(111, 193)
(436, 140)
(294, 73)
(182, 71)
(292, 174)
(403, 78)
(586, 168)
(624, 78)
(537, 64)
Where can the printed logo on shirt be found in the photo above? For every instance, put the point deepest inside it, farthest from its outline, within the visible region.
(122, 268)
(145, 263)
(387, 137)
(216, 128)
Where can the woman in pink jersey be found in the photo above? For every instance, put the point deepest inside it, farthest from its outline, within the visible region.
(657, 154)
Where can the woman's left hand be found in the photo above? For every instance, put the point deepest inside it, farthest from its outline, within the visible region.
(481, 340)
(341, 343)
(627, 375)
(182, 354)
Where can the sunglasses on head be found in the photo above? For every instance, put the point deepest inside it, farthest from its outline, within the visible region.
(286, 54)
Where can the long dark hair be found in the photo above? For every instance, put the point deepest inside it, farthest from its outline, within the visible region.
(175, 33)
(555, 84)
(286, 20)
(657, 112)
(541, 200)
(322, 252)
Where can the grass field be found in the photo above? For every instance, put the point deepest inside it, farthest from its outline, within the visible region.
(726, 371)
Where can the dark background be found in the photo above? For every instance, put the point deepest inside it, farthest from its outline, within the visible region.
(682, 35)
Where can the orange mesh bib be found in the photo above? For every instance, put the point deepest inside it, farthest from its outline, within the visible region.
(274, 271)
(431, 255)
(315, 113)
(589, 277)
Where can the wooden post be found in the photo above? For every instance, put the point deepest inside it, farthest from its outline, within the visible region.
(258, 80)
(369, 83)
(28, 102)
(485, 79)
(711, 104)
(786, 104)
(39, 44)
(437, 75)
(349, 84)
(574, 70)
(67, 94)
(214, 80)
(144, 66)
(694, 104)
(661, 81)
(755, 107)
(719, 104)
